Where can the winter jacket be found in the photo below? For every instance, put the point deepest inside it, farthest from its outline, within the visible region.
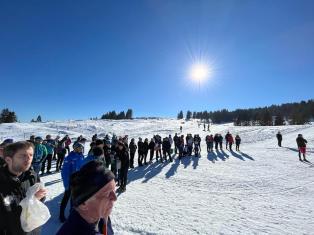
(40, 152)
(301, 142)
(50, 146)
(12, 191)
(123, 156)
(238, 140)
(61, 147)
(145, 147)
(140, 145)
(132, 147)
(279, 136)
(151, 145)
(230, 139)
(76, 225)
(166, 145)
(71, 164)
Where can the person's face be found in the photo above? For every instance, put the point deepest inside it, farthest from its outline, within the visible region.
(101, 203)
(21, 161)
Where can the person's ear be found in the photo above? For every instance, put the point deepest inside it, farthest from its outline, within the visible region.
(8, 160)
(83, 206)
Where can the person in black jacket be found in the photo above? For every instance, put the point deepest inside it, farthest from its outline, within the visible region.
(279, 138)
(145, 150)
(140, 152)
(166, 146)
(151, 148)
(15, 179)
(301, 142)
(176, 140)
(123, 156)
(132, 148)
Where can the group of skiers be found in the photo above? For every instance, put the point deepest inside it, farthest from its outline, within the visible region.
(218, 140)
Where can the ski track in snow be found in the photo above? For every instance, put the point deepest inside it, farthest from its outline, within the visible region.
(263, 189)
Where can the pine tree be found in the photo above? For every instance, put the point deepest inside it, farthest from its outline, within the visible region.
(279, 121)
(129, 114)
(188, 115)
(38, 118)
(7, 116)
(180, 115)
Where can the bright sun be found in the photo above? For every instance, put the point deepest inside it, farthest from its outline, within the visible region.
(199, 72)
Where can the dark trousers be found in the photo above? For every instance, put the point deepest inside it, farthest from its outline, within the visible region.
(279, 143)
(145, 158)
(151, 155)
(220, 145)
(158, 154)
(230, 146)
(54, 154)
(190, 149)
(59, 161)
(64, 202)
(132, 154)
(47, 159)
(124, 176)
(67, 148)
(140, 158)
(216, 145)
(237, 147)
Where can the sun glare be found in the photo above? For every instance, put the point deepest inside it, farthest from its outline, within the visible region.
(199, 72)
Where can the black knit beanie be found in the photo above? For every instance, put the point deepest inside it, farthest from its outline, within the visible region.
(88, 181)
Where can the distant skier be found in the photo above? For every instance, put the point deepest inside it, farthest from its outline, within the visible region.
(301, 142)
(220, 139)
(227, 138)
(230, 141)
(151, 148)
(133, 148)
(279, 138)
(216, 140)
(210, 143)
(208, 127)
(238, 142)
(180, 129)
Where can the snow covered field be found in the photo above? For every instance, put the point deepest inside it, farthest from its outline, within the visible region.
(263, 189)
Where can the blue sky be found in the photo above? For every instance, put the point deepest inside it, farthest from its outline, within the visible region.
(79, 59)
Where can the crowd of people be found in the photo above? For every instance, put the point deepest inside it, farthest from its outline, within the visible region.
(90, 180)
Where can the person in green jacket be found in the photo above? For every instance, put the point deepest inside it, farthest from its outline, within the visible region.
(40, 153)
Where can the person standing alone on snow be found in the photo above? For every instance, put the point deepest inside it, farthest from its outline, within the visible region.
(279, 138)
(301, 142)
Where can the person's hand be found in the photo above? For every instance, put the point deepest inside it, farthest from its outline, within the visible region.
(41, 193)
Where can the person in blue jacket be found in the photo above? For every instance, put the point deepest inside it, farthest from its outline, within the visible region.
(93, 197)
(72, 163)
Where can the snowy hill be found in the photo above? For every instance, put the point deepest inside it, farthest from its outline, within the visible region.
(263, 189)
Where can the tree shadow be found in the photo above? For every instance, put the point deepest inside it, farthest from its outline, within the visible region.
(211, 156)
(236, 155)
(195, 161)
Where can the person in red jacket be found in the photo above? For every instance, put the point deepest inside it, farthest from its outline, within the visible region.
(230, 141)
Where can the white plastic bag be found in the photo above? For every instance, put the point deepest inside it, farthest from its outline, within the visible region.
(34, 212)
